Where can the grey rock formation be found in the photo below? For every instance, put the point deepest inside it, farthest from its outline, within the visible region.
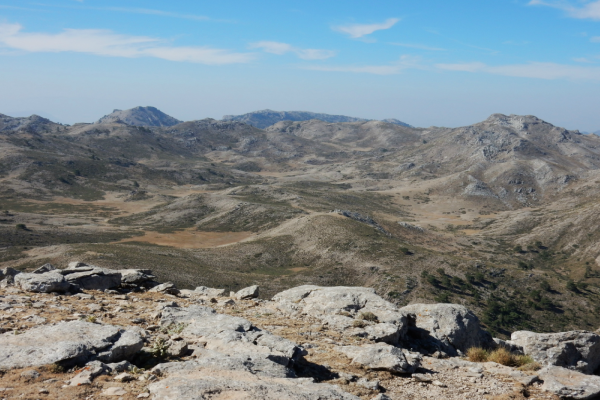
(7, 275)
(382, 357)
(578, 350)
(91, 277)
(167, 287)
(68, 343)
(135, 276)
(230, 335)
(509, 345)
(209, 292)
(140, 116)
(256, 364)
(264, 118)
(340, 306)
(568, 384)
(203, 383)
(46, 282)
(44, 268)
(250, 292)
(451, 328)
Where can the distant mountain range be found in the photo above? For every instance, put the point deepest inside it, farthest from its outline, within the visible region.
(140, 116)
(265, 118)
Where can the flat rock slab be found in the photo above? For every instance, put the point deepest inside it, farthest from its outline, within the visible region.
(253, 363)
(340, 306)
(47, 282)
(219, 384)
(568, 384)
(68, 343)
(229, 334)
(382, 357)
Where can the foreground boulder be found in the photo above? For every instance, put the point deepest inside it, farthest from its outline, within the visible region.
(90, 277)
(568, 384)
(45, 282)
(250, 292)
(136, 277)
(209, 292)
(229, 335)
(451, 328)
(383, 357)
(216, 383)
(68, 344)
(44, 268)
(578, 350)
(344, 307)
(7, 276)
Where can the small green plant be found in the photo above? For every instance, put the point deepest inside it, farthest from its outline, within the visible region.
(518, 249)
(135, 370)
(404, 251)
(91, 318)
(367, 316)
(159, 348)
(571, 286)
(22, 227)
(544, 285)
(56, 369)
(174, 329)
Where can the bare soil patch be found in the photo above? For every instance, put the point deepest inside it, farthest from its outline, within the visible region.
(190, 239)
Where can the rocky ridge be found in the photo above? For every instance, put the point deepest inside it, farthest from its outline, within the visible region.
(264, 118)
(141, 339)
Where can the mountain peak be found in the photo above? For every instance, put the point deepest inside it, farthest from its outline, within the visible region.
(265, 118)
(139, 116)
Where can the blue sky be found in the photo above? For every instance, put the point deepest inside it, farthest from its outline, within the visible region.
(431, 62)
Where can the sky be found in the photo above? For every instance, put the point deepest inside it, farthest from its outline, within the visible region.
(427, 62)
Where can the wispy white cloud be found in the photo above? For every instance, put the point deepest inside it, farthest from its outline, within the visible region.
(590, 10)
(595, 39)
(108, 43)
(160, 13)
(405, 62)
(356, 31)
(418, 46)
(283, 48)
(584, 60)
(538, 70)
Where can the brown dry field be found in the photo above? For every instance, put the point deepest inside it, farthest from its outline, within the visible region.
(190, 239)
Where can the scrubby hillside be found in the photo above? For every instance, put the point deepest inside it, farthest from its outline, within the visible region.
(499, 215)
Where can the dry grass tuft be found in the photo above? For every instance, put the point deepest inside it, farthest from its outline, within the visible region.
(477, 354)
(367, 316)
(504, 357)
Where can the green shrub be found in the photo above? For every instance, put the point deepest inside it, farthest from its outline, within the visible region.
(21, 227)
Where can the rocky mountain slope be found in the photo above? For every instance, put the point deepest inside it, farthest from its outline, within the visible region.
(85, 331)
(139, 116)
(265, 118)
(500, 215)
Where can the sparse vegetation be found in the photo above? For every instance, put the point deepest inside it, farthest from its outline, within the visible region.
(502, 356)
(367, 316)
